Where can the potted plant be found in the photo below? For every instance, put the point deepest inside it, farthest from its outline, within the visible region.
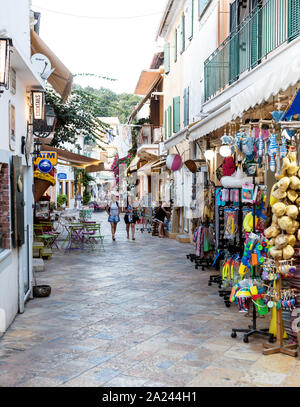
(61, 200)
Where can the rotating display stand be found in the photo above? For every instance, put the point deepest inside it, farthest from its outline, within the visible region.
(253, 329)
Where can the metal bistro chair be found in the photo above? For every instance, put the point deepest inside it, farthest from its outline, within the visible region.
(49, 229)
(92, 236)
(75, 236)
(40, 235)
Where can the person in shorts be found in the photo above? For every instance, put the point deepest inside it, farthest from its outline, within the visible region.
(113, 210)
(130, 219)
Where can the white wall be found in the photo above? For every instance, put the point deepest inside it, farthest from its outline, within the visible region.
(14, 17)
(70, 177)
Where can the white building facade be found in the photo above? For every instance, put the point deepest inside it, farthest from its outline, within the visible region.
(16, 196)
(222, 58)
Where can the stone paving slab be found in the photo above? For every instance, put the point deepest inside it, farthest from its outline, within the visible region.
(135, 314)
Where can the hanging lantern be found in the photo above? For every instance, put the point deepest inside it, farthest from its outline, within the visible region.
(209, 154)
(174, 162)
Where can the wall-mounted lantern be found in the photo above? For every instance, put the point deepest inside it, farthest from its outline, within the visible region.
(5, 45)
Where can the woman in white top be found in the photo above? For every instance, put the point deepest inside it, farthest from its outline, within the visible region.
(113, 210)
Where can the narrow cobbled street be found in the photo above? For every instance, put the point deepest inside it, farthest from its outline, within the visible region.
(135, 314)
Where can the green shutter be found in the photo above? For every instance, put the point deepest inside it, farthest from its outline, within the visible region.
(176, 114)
(167, 57)
(182, 33)
(175, 46)
(201, 6)
(191, 18)
(166, 124)
(169, 121)
(186, 106)
(293, 19)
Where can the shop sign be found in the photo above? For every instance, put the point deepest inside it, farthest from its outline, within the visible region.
(62, 175)
(45, 166)
(46, 155)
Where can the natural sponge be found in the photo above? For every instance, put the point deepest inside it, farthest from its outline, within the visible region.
(285, 223)
(294, 182)
(279, 209)
(283, 184)
(288, 252)
(292, 211)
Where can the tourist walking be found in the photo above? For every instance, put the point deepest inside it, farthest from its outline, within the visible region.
(130, 219)
(78, 199)
(160, 215)
(113, 210)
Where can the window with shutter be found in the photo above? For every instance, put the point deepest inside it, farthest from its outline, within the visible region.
(191, 19)
(186, 106)
(175, 46)
(176, 114)
(167, 57)
(201, 6)
(182, 33)
(166, 124)
(169, 121)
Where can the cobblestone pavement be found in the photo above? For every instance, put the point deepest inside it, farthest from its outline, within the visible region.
(135, 314)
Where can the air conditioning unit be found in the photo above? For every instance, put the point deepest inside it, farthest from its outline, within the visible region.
(158, 135)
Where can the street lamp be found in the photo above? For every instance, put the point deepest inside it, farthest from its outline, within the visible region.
(5, 44)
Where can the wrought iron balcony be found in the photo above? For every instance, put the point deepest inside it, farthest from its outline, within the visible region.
(266, 28)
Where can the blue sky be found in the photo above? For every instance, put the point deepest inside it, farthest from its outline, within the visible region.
(114, 48)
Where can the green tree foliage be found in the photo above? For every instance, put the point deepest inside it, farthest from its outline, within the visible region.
(76, 116)
(111, 104)
(80, 114)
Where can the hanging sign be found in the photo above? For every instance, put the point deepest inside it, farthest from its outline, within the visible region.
(46, 155)
(62, 175)
(45, 166)
(174, 162)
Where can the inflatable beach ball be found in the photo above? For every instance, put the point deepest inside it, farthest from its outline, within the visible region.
(174, 162)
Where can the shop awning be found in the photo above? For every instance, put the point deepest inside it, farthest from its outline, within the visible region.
(158, 78)
(146, 169)
(61, 79)
(159, 164)
(176, 139)
(211, 123)
(76, 160)
(278, 80)
(147, 78)
(134, 163)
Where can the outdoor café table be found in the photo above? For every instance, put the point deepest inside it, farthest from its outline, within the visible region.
(91, 234)
(75, 235)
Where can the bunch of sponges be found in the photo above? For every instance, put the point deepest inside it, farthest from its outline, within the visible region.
(285, 201)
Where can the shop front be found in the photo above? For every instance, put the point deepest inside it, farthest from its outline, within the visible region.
(248, 225)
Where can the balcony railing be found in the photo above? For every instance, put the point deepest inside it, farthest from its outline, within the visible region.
(266, 28)
(149, 134)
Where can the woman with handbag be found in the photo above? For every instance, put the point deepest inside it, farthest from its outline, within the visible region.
(130, 219)
(113, 210)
